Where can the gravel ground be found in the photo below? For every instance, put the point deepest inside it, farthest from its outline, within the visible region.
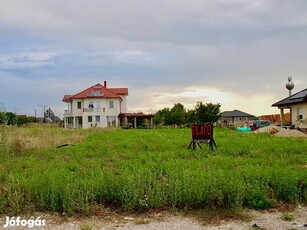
(268, 220)
(280, 132)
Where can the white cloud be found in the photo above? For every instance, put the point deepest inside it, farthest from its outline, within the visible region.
(27, 59)
(167, 51)
(130, 56)
(155, 99)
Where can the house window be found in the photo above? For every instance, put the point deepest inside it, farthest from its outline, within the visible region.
(98, 105)
(79, 104)
(97, 119)
(111, 104)
(89, 119)
(300, 113)
(91, 105)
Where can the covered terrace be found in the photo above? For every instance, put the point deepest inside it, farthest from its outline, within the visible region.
(124, 117)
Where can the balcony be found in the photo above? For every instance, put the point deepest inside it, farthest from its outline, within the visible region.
(94, 110)
(67, 113)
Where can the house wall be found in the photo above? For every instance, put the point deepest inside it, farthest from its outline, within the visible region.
(242, 119)
(75, 110)
(112, 113)
(101, 112)
(123, 104)
(294, 114)
(235, 119)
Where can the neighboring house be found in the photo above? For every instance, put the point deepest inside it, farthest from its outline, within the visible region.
(297, 103)
(235, 116)
(97, 106)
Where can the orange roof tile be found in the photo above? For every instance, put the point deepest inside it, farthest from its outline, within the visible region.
(119, 91)
(97, 91)
(67, 98)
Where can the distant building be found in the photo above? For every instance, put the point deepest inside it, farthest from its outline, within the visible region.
(96, 106)
(235, 116)
(297, 103)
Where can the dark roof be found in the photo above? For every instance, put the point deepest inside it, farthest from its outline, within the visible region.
(235, 113)
(299, 97)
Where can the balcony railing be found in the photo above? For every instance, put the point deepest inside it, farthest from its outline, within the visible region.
(94, 110)
(67, 113)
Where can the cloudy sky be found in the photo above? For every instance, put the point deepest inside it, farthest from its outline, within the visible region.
(235, 52)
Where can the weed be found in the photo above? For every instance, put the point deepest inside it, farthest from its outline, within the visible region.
(4, 143)
(86, 227)
(209, 216)
(139, 221)
(287, 217)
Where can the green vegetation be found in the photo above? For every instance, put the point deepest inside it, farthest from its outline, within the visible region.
(9, 118)
(287, 217)
(179, 116)
(25, 120)
(6, 120)
(147, 169)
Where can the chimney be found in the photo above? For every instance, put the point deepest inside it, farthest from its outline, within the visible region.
(105, 84)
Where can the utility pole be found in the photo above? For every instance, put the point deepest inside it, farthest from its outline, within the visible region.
(43, 111)
(34, 111)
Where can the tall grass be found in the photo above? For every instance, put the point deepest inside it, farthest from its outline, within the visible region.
(4, 128)
(144, 169)
(10, 144)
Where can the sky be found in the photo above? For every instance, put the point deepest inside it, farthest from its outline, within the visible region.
(238, 53)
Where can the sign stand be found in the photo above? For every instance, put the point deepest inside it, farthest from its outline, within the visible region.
(202, 133)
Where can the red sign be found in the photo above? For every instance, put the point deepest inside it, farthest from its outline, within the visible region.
(202, 132)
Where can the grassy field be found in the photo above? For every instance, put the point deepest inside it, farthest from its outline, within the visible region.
(146, 169)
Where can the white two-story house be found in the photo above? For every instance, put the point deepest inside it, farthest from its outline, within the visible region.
(97, 106)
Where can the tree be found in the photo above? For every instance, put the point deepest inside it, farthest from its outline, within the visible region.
(24, 120)
(207, 112)
(191, 117)
(178, 114)
(159, 117)
(162, 116)
(8, 118)
(49, 113)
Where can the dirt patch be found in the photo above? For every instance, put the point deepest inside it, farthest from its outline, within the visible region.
(269, 220)
(280, 132)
